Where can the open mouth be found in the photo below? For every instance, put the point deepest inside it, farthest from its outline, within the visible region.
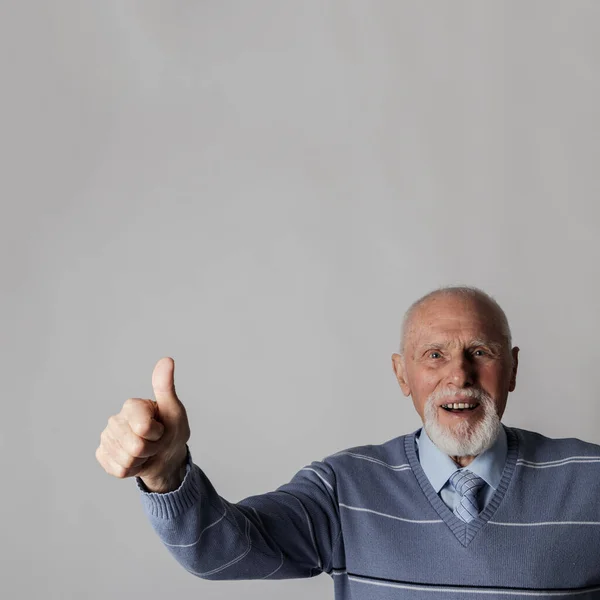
(459, 407)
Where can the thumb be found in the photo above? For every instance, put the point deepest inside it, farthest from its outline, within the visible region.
(168, 404)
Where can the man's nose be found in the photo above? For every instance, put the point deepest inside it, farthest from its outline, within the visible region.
(462, 372)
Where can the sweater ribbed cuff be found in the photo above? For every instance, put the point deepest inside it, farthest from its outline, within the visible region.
(171, 505)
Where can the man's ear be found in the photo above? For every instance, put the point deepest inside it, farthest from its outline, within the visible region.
(513, 376)
(400, 372)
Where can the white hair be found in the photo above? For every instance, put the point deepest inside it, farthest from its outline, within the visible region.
(466, 292)
(463, 438)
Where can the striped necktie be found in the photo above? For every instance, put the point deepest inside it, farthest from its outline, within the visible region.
(467, 485)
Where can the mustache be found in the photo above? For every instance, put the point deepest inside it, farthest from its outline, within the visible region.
(474, 393)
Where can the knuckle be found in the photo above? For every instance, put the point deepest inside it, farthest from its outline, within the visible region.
(106, 440)
(138, 411)
(120, 472)
(140, 426)
(128, 462)
(136, 448)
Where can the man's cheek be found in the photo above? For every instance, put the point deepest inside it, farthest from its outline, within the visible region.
(430, 384)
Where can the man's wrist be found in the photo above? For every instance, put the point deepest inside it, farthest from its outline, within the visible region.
(170, 483)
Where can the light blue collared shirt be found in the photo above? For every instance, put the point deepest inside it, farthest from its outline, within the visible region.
(439, 466)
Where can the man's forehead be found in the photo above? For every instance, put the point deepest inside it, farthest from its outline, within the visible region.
(445, 321)
(445, 333)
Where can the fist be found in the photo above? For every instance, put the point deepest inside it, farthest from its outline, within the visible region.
(148, 439)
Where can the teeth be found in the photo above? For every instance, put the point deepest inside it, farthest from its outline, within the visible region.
(458, 405)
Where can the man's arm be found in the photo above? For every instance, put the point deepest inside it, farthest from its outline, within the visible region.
(288, 533)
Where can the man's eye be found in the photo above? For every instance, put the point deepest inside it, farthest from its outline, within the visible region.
(434, 355)
(480, 352)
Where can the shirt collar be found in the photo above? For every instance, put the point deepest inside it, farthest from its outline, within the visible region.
(439, 466)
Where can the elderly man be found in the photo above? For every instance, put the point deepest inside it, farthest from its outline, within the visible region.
(464, 507)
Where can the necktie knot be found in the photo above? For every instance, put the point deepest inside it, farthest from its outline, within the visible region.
(467, 485)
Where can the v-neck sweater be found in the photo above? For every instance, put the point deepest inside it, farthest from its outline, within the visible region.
(369, 517)
(439, 467)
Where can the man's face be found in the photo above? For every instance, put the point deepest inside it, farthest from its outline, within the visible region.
(455, 353)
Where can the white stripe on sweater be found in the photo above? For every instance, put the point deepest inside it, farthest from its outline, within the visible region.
(280, 552)
(310, 530)
(199, 536)
(404, 467)
(375, 512)
(558, 463)
(536, 524)
(277, 569)
(494, 591)
(319, 476)
(233, 561)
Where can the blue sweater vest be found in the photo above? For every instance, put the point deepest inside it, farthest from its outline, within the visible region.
(369, 518)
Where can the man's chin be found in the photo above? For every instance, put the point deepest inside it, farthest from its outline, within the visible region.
(463, 439)
(450, 444)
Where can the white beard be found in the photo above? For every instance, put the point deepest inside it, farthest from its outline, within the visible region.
(464, 438)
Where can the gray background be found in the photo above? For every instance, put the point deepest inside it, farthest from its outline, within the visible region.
(259, 190)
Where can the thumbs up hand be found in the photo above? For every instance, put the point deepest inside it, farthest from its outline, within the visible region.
(148, 439)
